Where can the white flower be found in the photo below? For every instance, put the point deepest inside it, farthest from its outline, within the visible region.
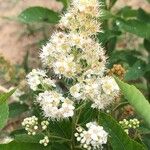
(44, 141)
(109, 85)
(75, 91)
(45, 52)
(90, 7)
(82, 17)
(31, 125)
(55, 106)
(92, 138)
(49, 82)
(65, 66)
(75, 53)
(67, 108)
(37, 77)
(44, 124)
(92, 88)
(34, 78)
(102, 102)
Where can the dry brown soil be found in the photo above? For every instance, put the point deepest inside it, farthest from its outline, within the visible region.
(14, 42)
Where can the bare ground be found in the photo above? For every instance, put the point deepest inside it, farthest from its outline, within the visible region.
(14, 37)
(14, 42)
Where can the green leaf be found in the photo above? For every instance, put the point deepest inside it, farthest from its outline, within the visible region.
(105, 15)
(22, 146)
(118, 138)
(136, 71)
(16, 109)
(57, 146)
(25, 138)
(26, 142)
(19, 131)
(4, 112)
(32, 146)
(147, 44)
(136, 99)
(144, 16)
(60, 128)
(39, 14)
(5, 96)
(137, 27)
(105, 36)
(87, 114)
(146, 140)
(111, 45)
(127, 12)
(124, 56)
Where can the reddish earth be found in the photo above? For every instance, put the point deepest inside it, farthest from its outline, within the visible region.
(14, 40)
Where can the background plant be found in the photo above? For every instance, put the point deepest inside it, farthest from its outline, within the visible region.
(135, 61)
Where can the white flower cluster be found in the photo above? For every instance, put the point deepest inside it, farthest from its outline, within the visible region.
(72, 54)
(82, 17)
(44, 124)
(128, 124)
(75, 53)
(44, 141)
(101, 91)
(37, 77)
(55, 106)
(31, 125)
(92, 138)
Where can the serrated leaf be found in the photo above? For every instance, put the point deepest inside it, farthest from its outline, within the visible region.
(136, 99)
(118, 138)
(4, 112)
(25, 138)
(22, 146)
(39, 14)
(60, 128)
(137, 27)
(144, 16)
(5, 96)
(87, 114)
(14, 145)
(136, 71)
